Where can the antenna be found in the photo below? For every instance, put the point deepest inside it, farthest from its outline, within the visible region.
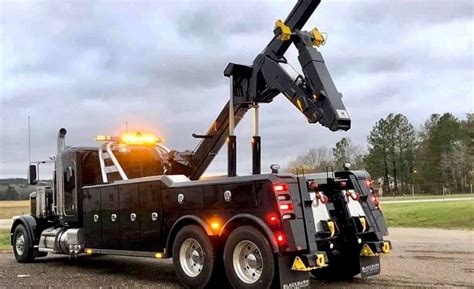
(29, 142)
(126, 126)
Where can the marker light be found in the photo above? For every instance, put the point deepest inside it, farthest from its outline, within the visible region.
(158, 255)
(88, 251)
(280, 188)
(103, 138)
(215, 225)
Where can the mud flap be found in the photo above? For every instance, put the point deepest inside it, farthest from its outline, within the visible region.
(287, 278)
(369, 265)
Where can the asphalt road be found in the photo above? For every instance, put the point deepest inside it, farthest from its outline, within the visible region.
(421, 258)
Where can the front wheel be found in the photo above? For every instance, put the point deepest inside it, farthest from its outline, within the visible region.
(248, 259)
(22, 245)
(193, 257)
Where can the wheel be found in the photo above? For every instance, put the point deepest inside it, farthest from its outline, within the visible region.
(193, 257)
(22, 245)
(248, 259)
(341, 267)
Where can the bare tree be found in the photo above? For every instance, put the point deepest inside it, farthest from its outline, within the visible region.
(315, 159)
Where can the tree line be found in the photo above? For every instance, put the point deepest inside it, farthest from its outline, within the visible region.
(436, 158)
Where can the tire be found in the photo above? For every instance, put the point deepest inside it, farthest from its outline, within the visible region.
(248, 259)
(341, 267)
(194, 257)
(22, 245)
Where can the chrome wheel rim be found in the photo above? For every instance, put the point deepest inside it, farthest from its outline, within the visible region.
(248, 262)
(20, 244)
(191, 257)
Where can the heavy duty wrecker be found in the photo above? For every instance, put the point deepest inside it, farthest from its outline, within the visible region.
(133, 196)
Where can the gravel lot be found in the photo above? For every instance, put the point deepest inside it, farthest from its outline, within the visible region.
(421, 257)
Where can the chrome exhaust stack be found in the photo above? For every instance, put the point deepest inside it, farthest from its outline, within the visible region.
(59, 189)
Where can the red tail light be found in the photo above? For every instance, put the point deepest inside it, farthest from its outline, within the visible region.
(280, 237)
(284, 204)
(273, 219)
(286, 207)
(280, 188)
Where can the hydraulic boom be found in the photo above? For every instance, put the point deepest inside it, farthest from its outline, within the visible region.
(313, 93)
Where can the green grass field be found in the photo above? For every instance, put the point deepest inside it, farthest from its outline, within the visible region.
(443, 215)
(5, 240)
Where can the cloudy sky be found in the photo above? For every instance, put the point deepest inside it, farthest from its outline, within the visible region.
(90, 66)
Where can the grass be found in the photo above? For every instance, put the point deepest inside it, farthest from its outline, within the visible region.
(442, 215)
(8, 209)
(5, 240)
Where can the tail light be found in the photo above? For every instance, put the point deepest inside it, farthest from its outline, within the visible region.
(280, 188)
(286, 207)
(284, 203)
(273, 219)
(280, 237)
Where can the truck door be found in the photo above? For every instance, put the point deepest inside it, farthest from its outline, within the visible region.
(109, 199)
(129, 217)
(151, 216)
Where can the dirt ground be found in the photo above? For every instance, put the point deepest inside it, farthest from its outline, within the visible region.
(421, 258)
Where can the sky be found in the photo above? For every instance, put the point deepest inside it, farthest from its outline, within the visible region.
(93, 66)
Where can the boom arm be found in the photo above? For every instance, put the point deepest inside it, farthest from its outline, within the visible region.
(314, 93)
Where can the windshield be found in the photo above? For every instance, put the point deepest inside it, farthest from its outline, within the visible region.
(139, 162)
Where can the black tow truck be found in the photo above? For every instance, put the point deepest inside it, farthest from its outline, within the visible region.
(133, 196)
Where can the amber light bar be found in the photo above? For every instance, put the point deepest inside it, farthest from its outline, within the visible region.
(137, 138)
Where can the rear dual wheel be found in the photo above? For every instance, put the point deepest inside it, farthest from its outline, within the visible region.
(248, 259)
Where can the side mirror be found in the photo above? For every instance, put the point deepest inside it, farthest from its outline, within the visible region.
(32, 178)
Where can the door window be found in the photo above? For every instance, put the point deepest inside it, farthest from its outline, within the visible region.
(70, 190)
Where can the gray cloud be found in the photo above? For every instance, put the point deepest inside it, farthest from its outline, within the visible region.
(90, 66)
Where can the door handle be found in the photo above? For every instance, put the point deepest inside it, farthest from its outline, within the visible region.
(154, 216)
(113, 217)
(96, 218)
(133, 217)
